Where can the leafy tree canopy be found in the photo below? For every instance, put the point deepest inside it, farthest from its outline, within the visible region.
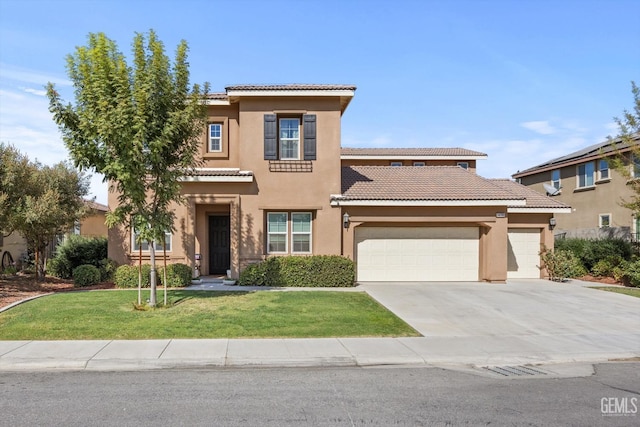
(627, 163)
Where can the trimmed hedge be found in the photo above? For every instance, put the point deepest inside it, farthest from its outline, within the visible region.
(298, 271)
(126, 276)
(86, 275)
(178, 275)
(76, 251)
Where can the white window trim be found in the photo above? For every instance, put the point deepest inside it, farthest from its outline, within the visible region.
(419, 164)
(281, 139)
(559, 179)
(286, 234)
(593, 178)
(158, 245)
(219, 139)
(600, 220)
(463, 165)
(310, 233)
(599, 172)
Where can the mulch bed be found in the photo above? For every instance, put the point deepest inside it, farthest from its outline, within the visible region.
(15, 288)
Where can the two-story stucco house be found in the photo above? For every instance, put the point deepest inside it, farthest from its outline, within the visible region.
(584, 180)
(276, 181)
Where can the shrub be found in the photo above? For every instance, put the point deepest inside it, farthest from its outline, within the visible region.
(178, 275)
(605, 267)
(561, 264)
(291, 271)
(76, 251)
(86, 275)
(107, 268)
(590, 251)
(631, 275)
(126, 276)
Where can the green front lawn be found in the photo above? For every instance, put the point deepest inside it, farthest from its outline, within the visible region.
(201, 314)
(634, 292)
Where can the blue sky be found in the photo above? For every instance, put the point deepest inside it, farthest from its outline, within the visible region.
(521, 80)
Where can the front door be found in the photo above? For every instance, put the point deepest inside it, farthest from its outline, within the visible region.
(219, 244)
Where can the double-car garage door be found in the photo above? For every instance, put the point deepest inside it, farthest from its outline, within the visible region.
(408, 254)
(429, 254)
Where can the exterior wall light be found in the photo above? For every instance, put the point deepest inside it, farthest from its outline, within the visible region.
(345, 220)
(552, 223)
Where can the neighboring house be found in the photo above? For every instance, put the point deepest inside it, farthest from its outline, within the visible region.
(275, 181)
(93, 225)
(594, 191)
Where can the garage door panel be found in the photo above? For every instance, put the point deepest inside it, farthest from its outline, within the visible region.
(417, 253)
(523, 256)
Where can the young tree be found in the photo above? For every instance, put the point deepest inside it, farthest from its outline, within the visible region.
(628, 136)
(138, 125)
(40, 202)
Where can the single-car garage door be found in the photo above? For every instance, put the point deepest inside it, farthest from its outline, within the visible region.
(417, 254)
(523, 253)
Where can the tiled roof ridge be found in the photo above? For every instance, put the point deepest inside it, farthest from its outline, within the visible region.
(291, 86)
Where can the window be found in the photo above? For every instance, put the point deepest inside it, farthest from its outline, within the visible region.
(215, 137)
(286, 137)
(145, 245)
(555, 179)
(463, 165)
(278, 238)
(604, 220)
(301, 232)
(76, 227)
(418, 163)
(277, 232)
(289, 139)
(396, 163)
(585, 175)
(603, 169)
(635, 162)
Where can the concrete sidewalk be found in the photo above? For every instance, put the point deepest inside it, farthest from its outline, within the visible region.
(207, 353)
(523, 322)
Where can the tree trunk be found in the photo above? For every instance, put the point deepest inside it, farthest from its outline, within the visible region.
(152, 256)
(140, 275)
(164, 272)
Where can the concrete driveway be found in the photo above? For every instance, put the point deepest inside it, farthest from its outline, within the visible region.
(532, 315)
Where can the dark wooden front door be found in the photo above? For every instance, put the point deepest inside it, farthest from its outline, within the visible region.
(219, 244)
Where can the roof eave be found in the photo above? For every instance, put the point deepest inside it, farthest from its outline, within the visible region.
(410, 157)
(342, 201)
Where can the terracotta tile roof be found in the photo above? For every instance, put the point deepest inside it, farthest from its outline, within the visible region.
(419, 183)
(592, 152)
(295, 86)
(349, 151)
(534, 199)
(217, 96)
(96, 206)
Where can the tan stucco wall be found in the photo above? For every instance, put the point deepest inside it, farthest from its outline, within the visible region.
(586, 204)
(94, 225)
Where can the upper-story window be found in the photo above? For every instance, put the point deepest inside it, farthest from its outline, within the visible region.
(555, 179)
(289, 137)
(464, 165)
(635, 164)
(585, 174)
(418, 163)
(215, 137)
(604, 220)
(395, 163)
(603, 169)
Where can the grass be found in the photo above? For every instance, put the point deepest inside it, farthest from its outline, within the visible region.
(634, 292)
(192, 314)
